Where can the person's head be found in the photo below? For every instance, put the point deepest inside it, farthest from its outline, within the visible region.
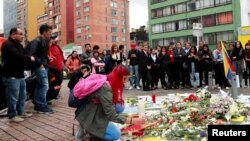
(145, 46)
(247, 45)
(74, 54)
(96, 54)
(85, 69)
(218, 45)
(87, 47)
(201, 44)
(53, 39)
(16, 34)
(193, 50)
(170, 48)
(45, 31)
(187, 45)
(121, 48)
(205, 48)
(231, 46)
(114, 49)
(178, 45)
(238, 44)
(96, 48)
(163, 50)
(158, 47)
(117, 77)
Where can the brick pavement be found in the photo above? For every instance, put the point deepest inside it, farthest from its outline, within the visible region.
(58, 126)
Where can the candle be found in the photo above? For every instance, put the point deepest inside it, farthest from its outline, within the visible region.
(153, 98)
(141, 108)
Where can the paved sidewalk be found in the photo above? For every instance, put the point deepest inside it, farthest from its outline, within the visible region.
(58, 126)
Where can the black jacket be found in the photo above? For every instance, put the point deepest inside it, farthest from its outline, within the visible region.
(39, 49)
(14, 58)
(133, 60)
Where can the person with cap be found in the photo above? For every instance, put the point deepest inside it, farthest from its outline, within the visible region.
(56, 59)
(133, 57)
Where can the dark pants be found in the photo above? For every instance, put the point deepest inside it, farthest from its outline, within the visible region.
(220, 75)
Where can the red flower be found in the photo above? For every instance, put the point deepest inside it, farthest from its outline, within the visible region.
(174, 109)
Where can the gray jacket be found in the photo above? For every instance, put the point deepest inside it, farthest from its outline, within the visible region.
(94, 118)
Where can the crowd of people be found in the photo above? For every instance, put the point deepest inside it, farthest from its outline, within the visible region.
(174, 66)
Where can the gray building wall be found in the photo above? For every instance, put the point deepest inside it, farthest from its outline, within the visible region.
(9, 15)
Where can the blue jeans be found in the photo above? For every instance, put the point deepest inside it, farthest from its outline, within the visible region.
(16, 95)
(42, 86)
(112, 132)
(134, 72)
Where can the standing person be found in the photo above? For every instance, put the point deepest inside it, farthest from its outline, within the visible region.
(219, 68)
(133, 57)
(106, 103)
(39, 47)
(97, 63)
(193, 66)
(14, 59)
(115, 59)
(247, 60)
(86, 56)
(179, 56)
(56, 60)
(206, 62)
(238, 58)
(164, 60)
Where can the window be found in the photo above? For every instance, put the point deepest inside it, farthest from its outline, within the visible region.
(157, 28)
(86, 27)
(123, 39)
(50, 12)
(78, 13)
(153, 13)
(123, 30)
(86, 9)
(78, 30)
(113, 4)
(87, 37)
(193, 20)
(172, 9)
(180, 8)
(225, 18)
(123, 13)
(169, 27)
(114, 21)
(114, 12)
(166, 11)
(78, 3)
(182, 24)
(159, 12)
(114, 38)
(190, 6)
(208, 20)
(113, 29)
(85, 1)
(209, 38)
(86, 18)
(78, 39)
(225, 36)
(123, 22)
(218, 2)
(50, 4)
(78, 21)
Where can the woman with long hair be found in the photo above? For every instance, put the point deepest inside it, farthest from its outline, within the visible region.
(73, 62)
(193, 66)
(104, 105)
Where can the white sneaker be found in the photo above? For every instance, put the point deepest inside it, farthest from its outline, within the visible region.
(138, 88)
(130, 88)
(26, 115)
(17, 119)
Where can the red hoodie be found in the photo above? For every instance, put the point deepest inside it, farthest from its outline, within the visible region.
(56, 53)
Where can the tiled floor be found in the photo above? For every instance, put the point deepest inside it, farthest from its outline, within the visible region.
(41, 127)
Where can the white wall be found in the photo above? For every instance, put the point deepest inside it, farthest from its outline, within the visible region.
(245, 12)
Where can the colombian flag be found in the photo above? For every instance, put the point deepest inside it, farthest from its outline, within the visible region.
(228, 66)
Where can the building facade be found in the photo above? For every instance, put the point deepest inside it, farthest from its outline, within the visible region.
(172, 20)
(61, 18)
(9, 16)
(101, 23)
(43, 19)
(27, 13)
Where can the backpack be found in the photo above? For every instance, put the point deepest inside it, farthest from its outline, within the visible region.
(84, 88)
(32, 65)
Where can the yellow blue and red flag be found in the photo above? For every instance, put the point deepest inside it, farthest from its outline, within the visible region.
(228, 66)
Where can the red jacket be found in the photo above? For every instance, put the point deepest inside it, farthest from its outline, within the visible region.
(55, 52)
(171, 56)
